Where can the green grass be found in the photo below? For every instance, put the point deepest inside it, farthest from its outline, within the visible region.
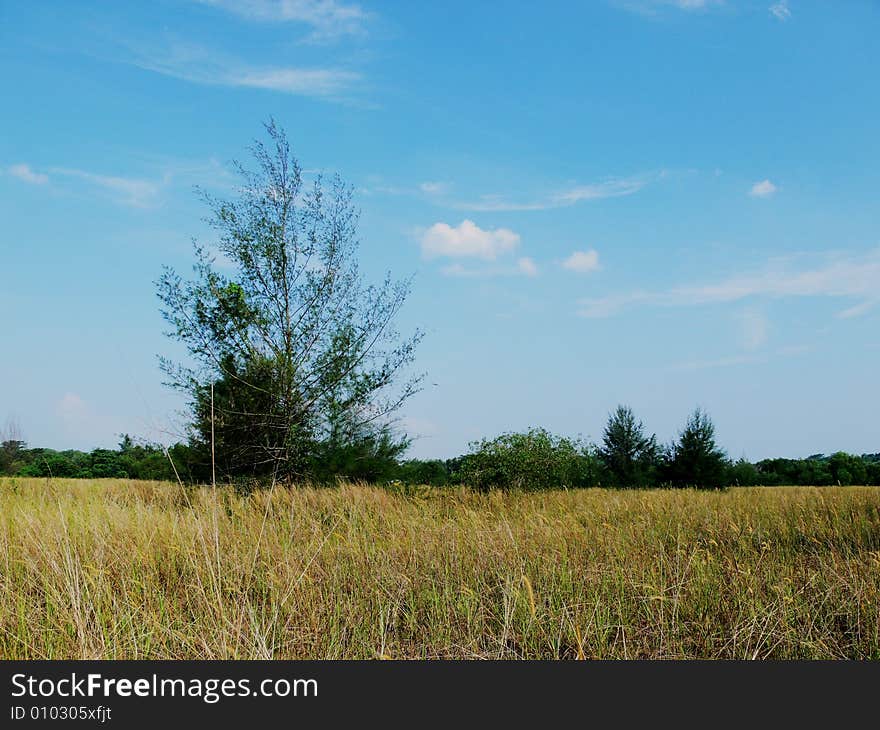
(125, 570)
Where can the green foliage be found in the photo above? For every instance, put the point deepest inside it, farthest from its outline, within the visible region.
(11, 455)
(371, 458)
(847, 469)
(812, 471)
(130, 460)
(695, 460)
(435, 472)
(630, 457)
(743, 473)
(531, 461)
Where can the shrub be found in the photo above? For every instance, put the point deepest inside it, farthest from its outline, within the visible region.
(531, 461)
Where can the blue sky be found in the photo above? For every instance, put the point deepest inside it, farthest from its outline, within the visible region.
(660, 203)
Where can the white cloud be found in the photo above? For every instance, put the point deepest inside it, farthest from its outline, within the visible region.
(200, 66)
(328, 18)
(527, 266)
(845, 277)
(583, 262)
(128, 191)
(434, 188)
(780, 10)
(763, 189)
(24, 172)
(467, 240)
(754, 328)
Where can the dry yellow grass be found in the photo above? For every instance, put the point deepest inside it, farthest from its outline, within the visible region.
(125, 570)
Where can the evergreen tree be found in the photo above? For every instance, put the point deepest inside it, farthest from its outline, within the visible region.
(696, 460)
(626, 452)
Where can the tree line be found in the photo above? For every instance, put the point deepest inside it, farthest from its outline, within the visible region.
(534, 460)
(628, 457)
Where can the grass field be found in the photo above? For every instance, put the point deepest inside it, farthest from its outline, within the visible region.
(124, 570)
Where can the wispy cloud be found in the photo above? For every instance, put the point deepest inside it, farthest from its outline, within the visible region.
(467, 240)
(688, 4)
(136, 192)
(523, 267)
(732, 360)
(200, 66)
(613, 188)
(328, 18)
(720, 362)
(582, 262)
(780, 10)
(434, 187)
(24, 172)
(763, 189)
(754, 328)
(527, 266)
(439, 193)
(653, 7)
(70, 406)
(133, 191)
(842, 277)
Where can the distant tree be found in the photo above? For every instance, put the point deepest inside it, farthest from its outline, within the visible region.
(847, 469)
(695, 460)
(369, 458)
(533, 460)
(105, 464)
(418, 471)
(303, 356)
(872, 467)
(743, 473)
(627, 453)
(12, 446)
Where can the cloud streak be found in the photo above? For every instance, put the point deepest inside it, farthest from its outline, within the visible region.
(653, 7)
(24, 173)
(135, 192)
(523, 267)
(439, 193)
(732, 360)
(199, 66)
(754, 328)
(853, 277)
(132, 191)
(614, 188)
(328, 18)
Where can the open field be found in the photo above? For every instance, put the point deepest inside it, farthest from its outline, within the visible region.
(119, 569)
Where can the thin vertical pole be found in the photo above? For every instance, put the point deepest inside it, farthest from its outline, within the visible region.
(213, 462)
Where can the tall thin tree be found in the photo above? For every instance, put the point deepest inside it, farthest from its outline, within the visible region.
(298, 349)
